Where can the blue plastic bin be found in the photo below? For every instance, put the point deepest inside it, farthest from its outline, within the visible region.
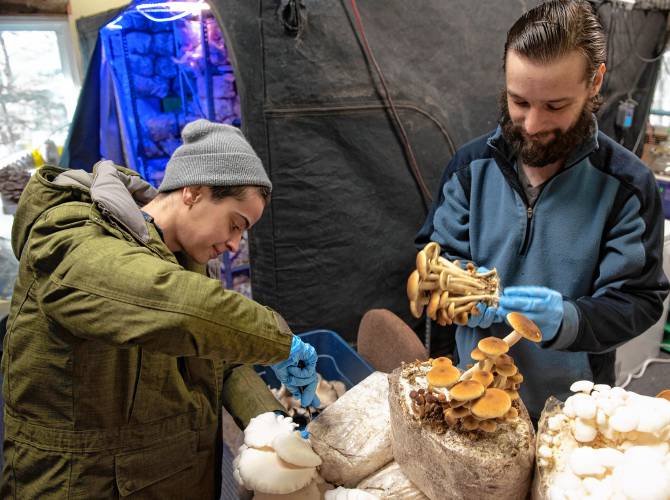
(337, 360)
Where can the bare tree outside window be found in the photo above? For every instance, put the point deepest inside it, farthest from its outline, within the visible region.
(38, 89)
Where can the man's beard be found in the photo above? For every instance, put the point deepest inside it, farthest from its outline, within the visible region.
(537, 154)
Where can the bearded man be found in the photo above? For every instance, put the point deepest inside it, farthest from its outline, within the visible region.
(571, 220)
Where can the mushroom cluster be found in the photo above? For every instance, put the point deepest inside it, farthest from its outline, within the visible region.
(608, 443)
(328, 391)
(467, 405)
(275, 459)
(483, 397)
(449, 292)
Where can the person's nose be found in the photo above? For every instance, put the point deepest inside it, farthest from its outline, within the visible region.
(534, 122)
(233, 244)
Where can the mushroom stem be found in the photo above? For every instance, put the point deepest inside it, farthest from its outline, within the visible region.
(512, 338)
(466, 282)
(470, 298)
(464, 308)
(487, 273)
(446, 264)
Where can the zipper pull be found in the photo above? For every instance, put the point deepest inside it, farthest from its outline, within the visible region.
(529, 212)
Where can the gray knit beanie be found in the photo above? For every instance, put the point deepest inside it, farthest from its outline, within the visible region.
(213, 154)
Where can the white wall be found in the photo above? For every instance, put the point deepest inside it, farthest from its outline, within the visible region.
(83, 8)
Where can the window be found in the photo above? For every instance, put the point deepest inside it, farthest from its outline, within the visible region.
(660, 106)
(38, 83)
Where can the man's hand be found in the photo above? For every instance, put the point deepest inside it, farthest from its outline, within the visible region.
(543, 306)
(487, 314)
(298, 372)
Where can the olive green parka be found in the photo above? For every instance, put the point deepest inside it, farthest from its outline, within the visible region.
(117, 358)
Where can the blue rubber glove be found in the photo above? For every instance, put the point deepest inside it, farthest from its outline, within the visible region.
(487, 314)
(298, 372)
(543, 306)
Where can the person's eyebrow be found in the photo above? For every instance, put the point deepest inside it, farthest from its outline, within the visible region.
(552, 101)
(560, 100)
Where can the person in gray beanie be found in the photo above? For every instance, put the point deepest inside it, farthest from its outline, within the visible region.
(214, 154)
(138, 350)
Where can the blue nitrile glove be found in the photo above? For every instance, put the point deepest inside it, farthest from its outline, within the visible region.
(487, 314)
(298, 372)
(541, 305)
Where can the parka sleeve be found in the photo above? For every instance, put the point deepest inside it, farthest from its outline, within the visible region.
(245, 395)
(105, 288)
(630, 285)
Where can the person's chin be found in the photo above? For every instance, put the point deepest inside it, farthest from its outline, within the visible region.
(200, 259)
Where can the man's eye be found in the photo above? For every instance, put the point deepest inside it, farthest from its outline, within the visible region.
(555, 108)
(521, 104)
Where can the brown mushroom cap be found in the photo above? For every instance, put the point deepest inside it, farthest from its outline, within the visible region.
(524, 327)
(488, 425)
(443, 376)
(450, 418)
(466, 390)
(433, 304)
(432, 250)
(422, 265)
(460, 411)
(416, 308)
(444, 296)
(469, 423)
(441, 361)
(413, 286)
(517, 378)
(512, 394)
(506, 370)
(443, 318)
(493, 404)
(484, 377)
(461, 318)
(511, 414)
(493, 346)
(503, 359)
(477, 355)
(664, 394)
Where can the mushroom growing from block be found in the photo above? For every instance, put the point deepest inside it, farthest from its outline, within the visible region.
(442, 376)
(493, 404)
(522, 328)
(466, 391)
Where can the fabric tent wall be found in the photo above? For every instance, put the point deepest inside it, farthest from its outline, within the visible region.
(337, 238)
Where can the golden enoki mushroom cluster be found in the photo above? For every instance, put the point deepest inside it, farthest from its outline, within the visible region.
(449, 292)
(482, 397)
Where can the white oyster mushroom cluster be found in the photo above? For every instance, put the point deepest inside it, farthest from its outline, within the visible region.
(607, 443)
(328, 391)
(275, 458)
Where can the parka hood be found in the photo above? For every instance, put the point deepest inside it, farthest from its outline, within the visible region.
(116, 190)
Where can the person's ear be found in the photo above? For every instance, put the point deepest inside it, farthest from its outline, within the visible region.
(598, 80)
(191, 195)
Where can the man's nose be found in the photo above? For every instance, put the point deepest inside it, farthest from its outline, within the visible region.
(534, 122)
